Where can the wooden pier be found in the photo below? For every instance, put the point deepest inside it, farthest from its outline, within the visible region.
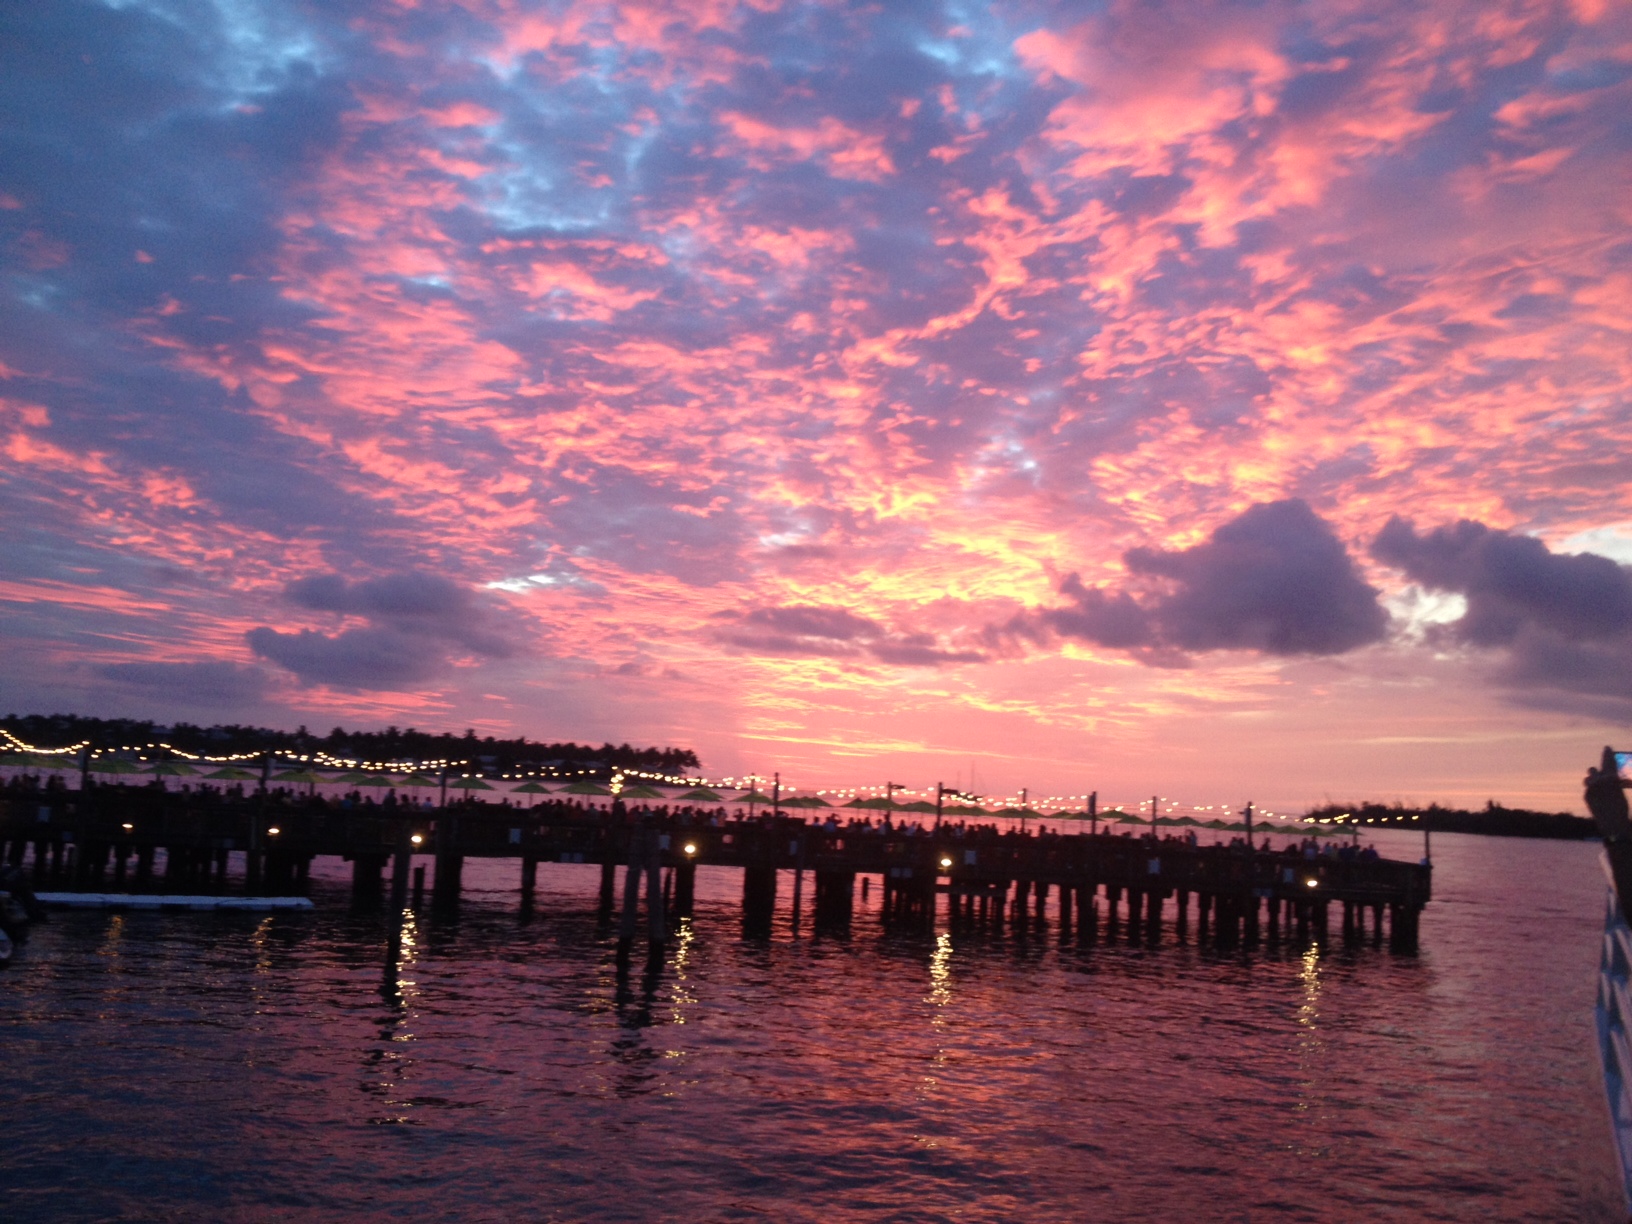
(1087, 887)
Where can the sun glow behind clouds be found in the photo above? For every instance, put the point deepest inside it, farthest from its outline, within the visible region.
(655, 326)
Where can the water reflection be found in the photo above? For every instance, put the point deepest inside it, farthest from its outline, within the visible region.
(632, 1054)
(389, 1061)
(940, 977)
(939, 999)
(224, 1068)
(1311, 1052)
(680, 995)
(401, 951)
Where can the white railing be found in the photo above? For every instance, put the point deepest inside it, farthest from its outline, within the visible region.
(1615, 1026)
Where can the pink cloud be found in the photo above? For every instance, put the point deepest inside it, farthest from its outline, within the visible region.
(845, 151)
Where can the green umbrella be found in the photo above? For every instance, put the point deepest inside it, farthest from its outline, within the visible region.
(641, 791)
(702, 794)
(1127, 818)
(878, 801)
(173, 769)
(530, 788)
(752, 796)
(420, 779)
(585, 788)
(33, 760)
(918, 805)
(114, 765)
(305, 776)
(806, 801)
(467, 784)
(1025, 812)
(229, 773)
(373, 779)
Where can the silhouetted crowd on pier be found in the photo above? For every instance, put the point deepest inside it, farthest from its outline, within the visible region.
(835, 823)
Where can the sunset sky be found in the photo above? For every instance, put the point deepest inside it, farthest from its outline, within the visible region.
(1225, 402)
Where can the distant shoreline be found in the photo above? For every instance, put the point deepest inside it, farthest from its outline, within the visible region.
(1493, 820)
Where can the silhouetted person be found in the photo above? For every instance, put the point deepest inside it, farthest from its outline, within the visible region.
(1606, 799)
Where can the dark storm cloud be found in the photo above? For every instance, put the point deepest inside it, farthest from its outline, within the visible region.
(1512, 582)
(1275, 580)
(368, 658)
(1564, 621)
(209, 682)
(419, 624)
(1111, 620)
(805, 630)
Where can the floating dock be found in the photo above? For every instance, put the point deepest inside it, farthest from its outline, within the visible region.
(161, 901)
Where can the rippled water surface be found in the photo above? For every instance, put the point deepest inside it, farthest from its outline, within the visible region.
(212, 1067)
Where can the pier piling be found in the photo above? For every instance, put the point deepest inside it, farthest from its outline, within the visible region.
(759, 899)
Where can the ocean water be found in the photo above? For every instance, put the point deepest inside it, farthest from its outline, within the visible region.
(252, 1067)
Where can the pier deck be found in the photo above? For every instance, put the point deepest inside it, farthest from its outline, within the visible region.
(108, 838)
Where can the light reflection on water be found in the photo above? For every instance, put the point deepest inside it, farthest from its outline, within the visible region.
(314, 1067)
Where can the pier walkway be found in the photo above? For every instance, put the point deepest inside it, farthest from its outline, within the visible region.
(1090, 885)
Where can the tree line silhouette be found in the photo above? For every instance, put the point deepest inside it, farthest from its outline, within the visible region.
(1494, 819)
(393, 744)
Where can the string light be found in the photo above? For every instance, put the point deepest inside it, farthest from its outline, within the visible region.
(1047, 805)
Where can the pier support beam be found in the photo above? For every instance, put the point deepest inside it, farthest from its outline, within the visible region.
(657, 927)
(1226, 922)
(631, 904)
(835, 892)
(1087, 913)
(445, 888)
(529, 882)
(450, 864)
(759, 899)
(366, 889)
(1402, 928)
(400, 863)
(685, 889)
